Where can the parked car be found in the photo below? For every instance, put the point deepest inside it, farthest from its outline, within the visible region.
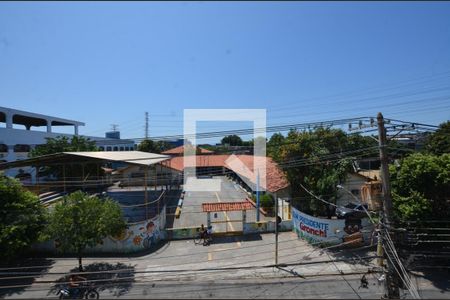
(351, 210)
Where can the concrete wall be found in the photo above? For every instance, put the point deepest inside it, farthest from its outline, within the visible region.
(262, 227)
(181, 233)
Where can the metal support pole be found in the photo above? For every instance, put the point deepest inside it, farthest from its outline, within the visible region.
(208, 219)
(64, 177)
(156, 173)
(244, 220)
(145, 192)
(257, 196)
(392, 290)
(156, 178)
(37, 180)
(82, 176)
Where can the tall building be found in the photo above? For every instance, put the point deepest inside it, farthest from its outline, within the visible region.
(21, 131)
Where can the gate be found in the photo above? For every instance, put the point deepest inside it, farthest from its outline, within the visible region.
(227, 217)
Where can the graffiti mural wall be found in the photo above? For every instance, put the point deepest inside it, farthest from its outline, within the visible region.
(137, 237)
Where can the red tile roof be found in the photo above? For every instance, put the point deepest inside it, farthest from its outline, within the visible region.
(226, 206)
(180, 150)
(275, 178)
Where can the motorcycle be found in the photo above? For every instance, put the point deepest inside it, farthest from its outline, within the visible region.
(84, 292)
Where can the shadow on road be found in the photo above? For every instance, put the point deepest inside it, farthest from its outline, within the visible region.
(116, 278)
(21, 274)
(234, 239)
(354, 255)
(439, 277)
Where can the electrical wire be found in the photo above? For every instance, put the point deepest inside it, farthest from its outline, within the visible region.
(402, 272)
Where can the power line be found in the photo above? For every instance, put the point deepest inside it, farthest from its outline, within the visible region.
(223, 268)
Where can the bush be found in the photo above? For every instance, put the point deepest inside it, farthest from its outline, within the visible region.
(265, 201)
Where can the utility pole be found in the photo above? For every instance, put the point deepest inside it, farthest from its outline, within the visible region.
(146, 125)
(391, 278)
(276, 229)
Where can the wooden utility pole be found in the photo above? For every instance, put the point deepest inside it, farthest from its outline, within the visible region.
(392, 290)
(276, 229)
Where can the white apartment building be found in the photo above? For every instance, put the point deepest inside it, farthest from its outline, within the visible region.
(21, 131)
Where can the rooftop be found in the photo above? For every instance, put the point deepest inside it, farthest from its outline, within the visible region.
(27, 118)
(275, 178)
(130, 157)
(180, 150)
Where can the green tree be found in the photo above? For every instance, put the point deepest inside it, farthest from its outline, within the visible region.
(64, 144)
(439, 141)
(81, 220)
(147, 146)
(316, 159)
(151, 146)
(421, 187)
(273, 146)
(232, 140)
(22, 218)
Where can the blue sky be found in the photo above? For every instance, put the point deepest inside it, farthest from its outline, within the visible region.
(109, 62)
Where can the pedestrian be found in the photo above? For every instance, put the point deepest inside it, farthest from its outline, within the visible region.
(364, 282)
(381, 279)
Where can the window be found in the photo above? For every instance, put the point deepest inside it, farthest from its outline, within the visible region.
(101, 148)
(121, 148)
(115, 148)
(108, 148)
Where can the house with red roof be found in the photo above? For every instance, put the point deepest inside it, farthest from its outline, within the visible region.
(273, 181)
(179, 151)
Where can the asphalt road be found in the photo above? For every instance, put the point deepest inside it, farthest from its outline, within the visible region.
(192, 214)
(231, 267)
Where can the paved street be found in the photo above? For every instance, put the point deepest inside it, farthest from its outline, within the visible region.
(231, 267)
(192, 214)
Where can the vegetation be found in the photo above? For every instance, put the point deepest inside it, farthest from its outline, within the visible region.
(81, 220)
(232, 140)
(22, 218)
(275, 141)
(421, 187)
(64, 144)
(439, 142)
(153, 147)
(266, 201)
(322, 158)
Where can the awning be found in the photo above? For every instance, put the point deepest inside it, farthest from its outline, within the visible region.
(129, 157)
